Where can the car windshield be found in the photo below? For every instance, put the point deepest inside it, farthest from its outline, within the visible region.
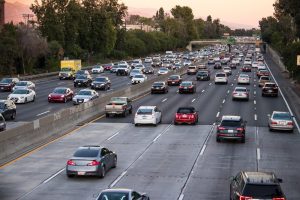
(244, 76)
(100, 79)
(20, 92)
(270, 85)
(81, 77)
(240, 90)
(262, 191)
(192, 67)
(21, 83)
(220, 75)
(186, 84)
(135, 61)
(122, 66)
(231, 123)
(85, 93)
(80, 72)
(6, 80)
(139, 76)
(186, 110)
(282, 116)
(264, 78)
(97, 67)
(60, 91)
(163, 69)
(86, 153)
(173, 77)
(113, 196)
(107, 65)
(144, 111)
(158, 84)
(136, 71)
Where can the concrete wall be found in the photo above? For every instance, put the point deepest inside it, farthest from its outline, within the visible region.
(276, 58)
(20, 140)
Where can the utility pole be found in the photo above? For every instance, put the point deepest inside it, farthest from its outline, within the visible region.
(27, 18)
(2, 12)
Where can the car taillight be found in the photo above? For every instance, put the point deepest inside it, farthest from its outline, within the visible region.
(290, 123)
(70, 162)
(278, 198)
(234, 93)
(124, 107)
(94, 163)
(239, 129)
(273, 122)
(221, 128)
(177, 116)
(180, 86)
(191, 87)
(245, 198)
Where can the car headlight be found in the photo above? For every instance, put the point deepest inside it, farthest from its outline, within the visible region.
(22, 97)
(92, 84)
(49, 96)
(86, 100)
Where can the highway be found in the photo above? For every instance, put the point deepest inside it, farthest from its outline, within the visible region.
(167, 162)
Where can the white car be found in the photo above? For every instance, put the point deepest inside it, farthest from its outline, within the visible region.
(22, 96)
(247, 62)
(97, 69)
(136, 62)
(187, 63)
(147, 115)
(244, 79)
(235, 61)
(85, 95)
(221, 77)
(138, 78)
(162, 71)
(240, 93)
(261, 66)
(227, 70)
(148, 61)
(24, 85)
(254, 64)
(140, 67)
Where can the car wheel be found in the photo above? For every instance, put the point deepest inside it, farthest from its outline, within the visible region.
(130, 111)
(115, 162)
(13, 116)
(243, 140)
(136, 124)
(218, 139)
(262, 94)
(103, 172)
(291, 131)
(70, 175)
(270, 129)
(25, 101)
(33, 99)
(107, 115)
(175, 123)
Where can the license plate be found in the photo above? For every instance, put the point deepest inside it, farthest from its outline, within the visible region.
(230, 131)
(269, 90)
(173, 82)
(79, 83)
(282, 123)
(81, 173)
(185, 87)
(184, 116)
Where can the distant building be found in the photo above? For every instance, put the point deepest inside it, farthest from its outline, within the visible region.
(145, 28)
(2, 11)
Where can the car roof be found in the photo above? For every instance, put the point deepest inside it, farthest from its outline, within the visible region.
(117, 190)
(244, 88)
(159, 82)
(260, 177)
(231, 117)
(280, 112)
(147, 107)
(86, 90)
(61, 88)
(90, 147)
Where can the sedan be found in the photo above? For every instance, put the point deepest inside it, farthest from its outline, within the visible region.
(22, 96)
(147, 115)
(108, 66)
(121, 194)
(91, 160)
(281, 121)
(227, 70)
(135, 72)
(262, 72)
(24, 85)
(187, 87)
(246, 68)
(83, 80)
(262, 80)
(61, 94)
(240, 93)
(97, 69)
(101, 83)
(174, 80)
(203, 76)
(2, 123)
(84, 96)
(139, 78)
(149, 70)
(162, 71)
(244, 79)
(186, 115)
(159, 87)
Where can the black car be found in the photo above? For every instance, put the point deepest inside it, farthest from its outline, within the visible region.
(82, 80)
(187, 87)
(256, 185)
(149, 70)
(2, 123)
(101, 83)
(159, 87)
(202, 76)
(8, 109)
(81, 72)
(91, 160)
(231, 127)
(7, 84)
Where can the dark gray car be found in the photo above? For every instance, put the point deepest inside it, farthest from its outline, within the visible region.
(91, 160)
(2, 123)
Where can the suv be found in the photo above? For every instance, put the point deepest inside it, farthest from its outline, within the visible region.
(221, 77)
(231, 127)
(8, 109)
(270, 89)
(7, 84)
(256, 185)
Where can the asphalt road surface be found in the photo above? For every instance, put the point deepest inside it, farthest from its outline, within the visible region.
(167, 162)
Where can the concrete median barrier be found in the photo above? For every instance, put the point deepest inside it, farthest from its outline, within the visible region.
(18, 141)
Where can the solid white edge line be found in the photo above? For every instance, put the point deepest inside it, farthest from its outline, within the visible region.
(53, 176)
(258, 153)
(254, 92)
(202, 150)
(254, 102)
(223, 101)
(118, 179)
(111, 137)
(255, 117)
(181, 197)
(290, 110)
(43, 113)
(218, 114)
(228, 91)
(156, 137)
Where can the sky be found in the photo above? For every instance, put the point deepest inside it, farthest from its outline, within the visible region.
(243, 12)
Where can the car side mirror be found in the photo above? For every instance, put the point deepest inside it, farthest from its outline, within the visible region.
(279, 180)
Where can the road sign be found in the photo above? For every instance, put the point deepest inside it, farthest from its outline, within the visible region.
(298, 60)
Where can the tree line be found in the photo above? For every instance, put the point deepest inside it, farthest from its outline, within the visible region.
(95, 30)
(282, 32)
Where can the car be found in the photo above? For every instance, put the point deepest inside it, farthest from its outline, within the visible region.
(118, 106)
(140, 67)
(217, 65)
(138, 78)
(97, 69)
(156, 61)
(123, 70)
(269, 89)
(135, 62)
(232, 65)
(221, 77)
(244, 79)
(187, 63)
(247, 61)
(101, 83)
(279, 120)
(254, 64)
(2, 123)
(235, 61)
(147, 115)
(187, 87)
(262, 72)
(174, 80)
(7, 84)
(84, 96)
(186, 115)
(82, 72)
(159, 87)
(121, 194)
(114, 68)
(22, 96)
(263, 79)
(148, 61)
(246, 68)
(108, 66)
(8, 109)
(135, 72)
(149, 70)
(83, 80)
(162, 71)
(227, 70)
(247, 185)
(24, 85)
(203, 75)
(231, 127)
(61, 94)
(192, 70)
(261, 66)
(91, 160)
(166, 64)
(240, 93)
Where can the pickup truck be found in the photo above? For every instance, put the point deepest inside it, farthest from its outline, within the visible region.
(118, 106)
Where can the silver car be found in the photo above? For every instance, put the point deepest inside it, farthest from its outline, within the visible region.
(85, 95)
(91, 160)
(121, 194)
(240, 93)
(281, 121)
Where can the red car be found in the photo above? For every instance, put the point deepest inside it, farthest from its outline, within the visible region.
(108, 67)
(7, 84)
(246, 68)
(174, 80)
(186, 115)
(61, 94)
(262, 72)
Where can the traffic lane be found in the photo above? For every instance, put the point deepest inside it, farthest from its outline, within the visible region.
(210, 179)
(129, 144)
(279, 153)
(162, 171)
(29, 172)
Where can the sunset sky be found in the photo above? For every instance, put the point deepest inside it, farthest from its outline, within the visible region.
(246, 12)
